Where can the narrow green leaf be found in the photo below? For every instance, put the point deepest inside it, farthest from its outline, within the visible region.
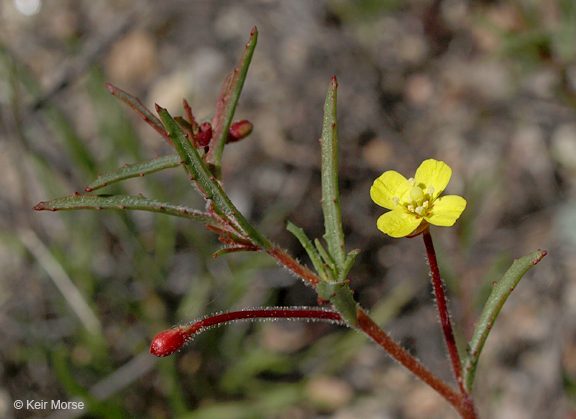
(210, 187)
(134, 170)
(350, 258)
(128, 202)
(140, 109)
(500, 292)
(226, 105)
(330, 199)
(328, 261)
(307, 245)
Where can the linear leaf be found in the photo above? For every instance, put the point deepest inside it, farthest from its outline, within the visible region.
(128, 202)
(134, 170)
(226, 105)
(140, 109)
(500, 292)
(299, 233)
(350, 258)
(330, 199)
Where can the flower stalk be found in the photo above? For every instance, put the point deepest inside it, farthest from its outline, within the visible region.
(169, 341)
(443, 311)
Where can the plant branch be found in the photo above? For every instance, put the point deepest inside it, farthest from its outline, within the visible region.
(169, 341)
(460, 402)
(367, 325)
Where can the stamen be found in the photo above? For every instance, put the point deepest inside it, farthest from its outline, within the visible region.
(396, 200)
(412, 181)
(431, 190)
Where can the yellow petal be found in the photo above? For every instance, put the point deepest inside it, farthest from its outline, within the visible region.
(398, 223)
(433, 173)
(446, 211)
(389, 185)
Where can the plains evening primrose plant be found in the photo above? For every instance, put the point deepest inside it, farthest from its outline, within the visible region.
(414, 205)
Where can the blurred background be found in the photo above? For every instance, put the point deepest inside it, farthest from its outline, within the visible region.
(488, 86)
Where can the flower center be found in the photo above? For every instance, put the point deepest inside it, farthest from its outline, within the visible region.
(419, 202)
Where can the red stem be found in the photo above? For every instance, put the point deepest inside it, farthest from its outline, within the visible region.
(367, 325)
(169, 341)
(443, 311)
(463, 403)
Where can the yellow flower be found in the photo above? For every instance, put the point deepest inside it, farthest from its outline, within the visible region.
(414, 202)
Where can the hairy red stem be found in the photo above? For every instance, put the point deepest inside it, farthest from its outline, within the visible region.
(462, 403)
(367, 325)
(466, 405)
(169, 341)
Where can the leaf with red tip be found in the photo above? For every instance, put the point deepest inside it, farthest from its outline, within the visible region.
(134, 170)
(226, 104)
(140, 109)
(128, 202)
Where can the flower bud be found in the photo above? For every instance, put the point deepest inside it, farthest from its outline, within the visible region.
(239, 130)
(168, 342)
(205, 134)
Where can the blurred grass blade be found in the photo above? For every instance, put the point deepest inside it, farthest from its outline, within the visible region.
(226, 105)
(500, 292)
(128, 202)
(135, 170)
(334, 235)
(62, 280)
(210, 187)
(140, 109)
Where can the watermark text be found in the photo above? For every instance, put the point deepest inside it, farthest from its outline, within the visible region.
(48, 404)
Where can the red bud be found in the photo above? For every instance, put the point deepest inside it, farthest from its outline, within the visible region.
(205, 134)
(239, 130)
(168, 342)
